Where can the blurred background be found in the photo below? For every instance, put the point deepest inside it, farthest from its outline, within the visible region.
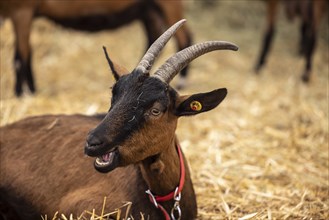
(262, 154)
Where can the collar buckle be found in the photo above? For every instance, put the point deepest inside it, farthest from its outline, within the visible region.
(176, 207)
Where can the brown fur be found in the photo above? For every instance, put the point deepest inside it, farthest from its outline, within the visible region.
(43, 169)
(42, 162)
(67, 182)
(35, 168)
(155, 15)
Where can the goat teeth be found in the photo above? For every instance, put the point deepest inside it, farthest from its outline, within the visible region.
(100, 162)
(105, 159)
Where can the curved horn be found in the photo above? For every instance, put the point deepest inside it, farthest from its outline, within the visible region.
(152, 53)
(178, 61)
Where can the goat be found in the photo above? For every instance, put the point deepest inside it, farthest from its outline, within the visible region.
(310, 12)
(134, 146)
(91, 16)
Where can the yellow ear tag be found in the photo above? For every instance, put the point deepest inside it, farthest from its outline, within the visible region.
(196, 106)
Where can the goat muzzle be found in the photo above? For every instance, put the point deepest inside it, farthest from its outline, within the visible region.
(105, 161)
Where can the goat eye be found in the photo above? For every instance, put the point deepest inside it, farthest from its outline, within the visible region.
(155, 111)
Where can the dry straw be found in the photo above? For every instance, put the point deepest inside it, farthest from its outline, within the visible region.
(121, 213)
(263, 154)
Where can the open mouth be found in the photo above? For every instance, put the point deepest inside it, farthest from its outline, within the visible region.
(107, 161)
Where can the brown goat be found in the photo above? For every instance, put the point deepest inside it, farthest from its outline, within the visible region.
(310, 12)
(93, 16)
(134, 145)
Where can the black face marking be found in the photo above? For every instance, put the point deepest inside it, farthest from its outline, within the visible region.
(136, 94)
(132, 96)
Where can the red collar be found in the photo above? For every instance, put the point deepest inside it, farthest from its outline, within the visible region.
(174, 195)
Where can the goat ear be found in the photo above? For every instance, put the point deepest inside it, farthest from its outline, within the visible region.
(116, 69)
(197, 103)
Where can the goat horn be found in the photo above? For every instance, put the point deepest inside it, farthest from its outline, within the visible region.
(178, 61)
(152, 53)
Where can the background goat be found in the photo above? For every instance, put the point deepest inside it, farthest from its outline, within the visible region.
(43, 168)
(310, 12)
(89, 16)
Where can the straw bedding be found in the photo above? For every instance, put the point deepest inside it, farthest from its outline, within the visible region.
(262, 154)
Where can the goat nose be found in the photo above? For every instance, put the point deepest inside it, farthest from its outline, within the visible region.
(93, 140)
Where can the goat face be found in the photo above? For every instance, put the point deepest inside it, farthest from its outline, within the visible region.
(142, 120)
(138, 119)
(144, 109)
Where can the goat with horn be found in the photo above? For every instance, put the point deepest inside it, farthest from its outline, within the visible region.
(134, 147)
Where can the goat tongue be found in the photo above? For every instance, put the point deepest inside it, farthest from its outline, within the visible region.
(106, 157)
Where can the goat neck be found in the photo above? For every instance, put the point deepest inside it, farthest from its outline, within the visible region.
(162, 171)
(169, 182)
